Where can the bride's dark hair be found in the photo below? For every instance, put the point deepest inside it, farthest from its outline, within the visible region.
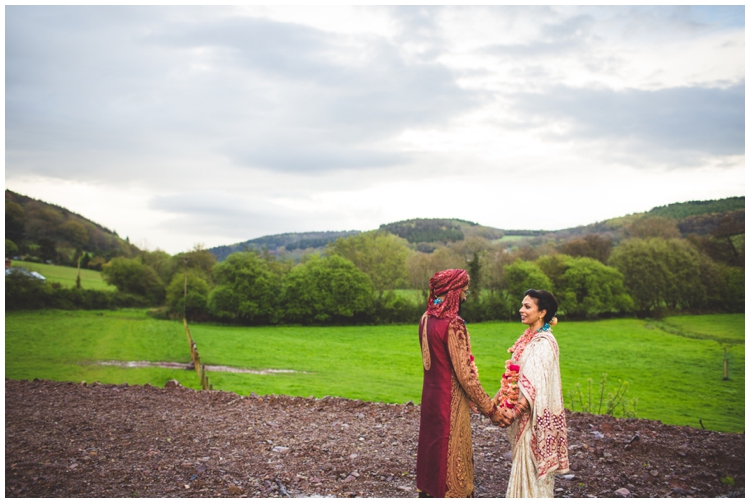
(544, 300)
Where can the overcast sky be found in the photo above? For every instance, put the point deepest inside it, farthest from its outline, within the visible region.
(184, 125)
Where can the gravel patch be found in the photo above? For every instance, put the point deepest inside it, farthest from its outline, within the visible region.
(71, 440)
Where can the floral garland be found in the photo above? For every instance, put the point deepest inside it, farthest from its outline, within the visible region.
(509, 385)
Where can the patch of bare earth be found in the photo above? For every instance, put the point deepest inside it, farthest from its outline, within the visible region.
(68, 440)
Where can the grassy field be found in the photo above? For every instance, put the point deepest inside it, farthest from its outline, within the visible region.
(712, 326)
(66, 276)
(511, 239)
(676, 379)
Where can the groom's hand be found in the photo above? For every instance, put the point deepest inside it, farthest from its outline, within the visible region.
(499, 419)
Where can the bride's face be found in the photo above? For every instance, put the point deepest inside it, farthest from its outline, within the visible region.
(530, 313)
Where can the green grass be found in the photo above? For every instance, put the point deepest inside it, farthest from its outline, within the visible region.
(676, 379)
(718, 326)
(66, 276)
(410, 295)
(511, 239)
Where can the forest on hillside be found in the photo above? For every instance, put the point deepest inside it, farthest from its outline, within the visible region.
(36, 231)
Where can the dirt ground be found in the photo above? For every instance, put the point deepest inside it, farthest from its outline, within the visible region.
(70, 439)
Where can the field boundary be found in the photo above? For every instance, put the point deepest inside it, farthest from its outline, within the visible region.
(674, 330)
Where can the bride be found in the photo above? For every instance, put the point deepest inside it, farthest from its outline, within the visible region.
(531, 400)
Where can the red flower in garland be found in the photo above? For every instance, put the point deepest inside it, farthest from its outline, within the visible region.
(509, 391)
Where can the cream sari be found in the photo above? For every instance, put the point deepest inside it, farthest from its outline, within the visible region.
(539, 439)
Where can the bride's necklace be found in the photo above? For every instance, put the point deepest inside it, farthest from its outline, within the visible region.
(509, 384)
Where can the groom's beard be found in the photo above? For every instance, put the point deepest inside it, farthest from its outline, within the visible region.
(460, 306)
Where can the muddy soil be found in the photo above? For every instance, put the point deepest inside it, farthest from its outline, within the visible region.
(70, 440)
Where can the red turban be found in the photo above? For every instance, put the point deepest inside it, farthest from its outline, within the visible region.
(448, 282)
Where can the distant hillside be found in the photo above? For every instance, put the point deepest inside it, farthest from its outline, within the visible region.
(439, 230)
(683, 210)
(692, 217)
(35, 225)
(426, 234)
(290, 242)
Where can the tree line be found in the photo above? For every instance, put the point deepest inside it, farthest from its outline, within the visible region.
(378, 277)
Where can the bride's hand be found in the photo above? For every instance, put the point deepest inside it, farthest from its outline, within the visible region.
(496, 399)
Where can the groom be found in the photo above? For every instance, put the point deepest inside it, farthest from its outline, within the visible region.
(445, 465)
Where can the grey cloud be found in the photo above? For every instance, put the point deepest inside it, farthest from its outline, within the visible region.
(216, 213)
(227, 216)
(577, 30)
(687, 119)
(556, 38)
(339, 106)
(167, 81)
(294, 156)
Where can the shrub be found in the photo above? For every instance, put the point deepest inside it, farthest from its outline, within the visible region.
(10, 248)
(391, 308)
(585, 287)
(660, 272)
(380, 255)
(131, 276)
(195, 305)
(247, 291)
(489, 306)
(25, 292)
(521, 276)
(329, 289)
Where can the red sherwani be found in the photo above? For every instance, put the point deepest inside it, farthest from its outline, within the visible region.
(445, 465)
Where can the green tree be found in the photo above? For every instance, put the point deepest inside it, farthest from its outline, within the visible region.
(10, 248)
(247, 291)
(587, 288)
(592, 246)
(329, 289)
(14, 221)
(131, 276)
(161, 262)
(421, 266)
(652, 227)
(380, 255)
(75, 233)
(494, 262)
(85, 260)
(729, 227)
(474, 250)
(199, 260)
(659, 272)
(47, 249)
(733, 295)
(554, 266)
(195, 305)
(521, 276)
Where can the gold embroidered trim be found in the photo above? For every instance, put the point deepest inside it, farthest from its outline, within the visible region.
(460, 470)
(425, 345)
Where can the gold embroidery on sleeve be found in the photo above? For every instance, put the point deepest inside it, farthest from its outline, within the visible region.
(425, 346)
(460, 354)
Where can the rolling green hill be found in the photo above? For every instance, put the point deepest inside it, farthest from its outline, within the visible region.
(691, 208)
(49, 232)
(289, 241)
(426, 234)
(692, 217)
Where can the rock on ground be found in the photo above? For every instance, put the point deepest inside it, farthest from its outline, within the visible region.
(69, 440)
